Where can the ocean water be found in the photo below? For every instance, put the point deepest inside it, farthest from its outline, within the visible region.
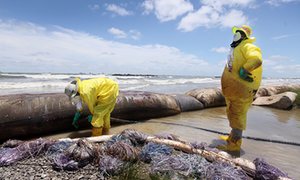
(16, 83)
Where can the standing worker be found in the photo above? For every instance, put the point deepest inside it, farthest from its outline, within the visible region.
(240, 81)
(100, 95)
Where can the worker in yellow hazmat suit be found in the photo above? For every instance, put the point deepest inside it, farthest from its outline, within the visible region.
(100, 95)
(240, 80)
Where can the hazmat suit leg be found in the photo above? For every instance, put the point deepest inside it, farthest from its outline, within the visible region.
(101, 117)
(106, 124)
(236, 109)
(97, 123)
(97, 131)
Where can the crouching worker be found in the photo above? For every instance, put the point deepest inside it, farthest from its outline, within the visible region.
(100, 95)
(240, 80)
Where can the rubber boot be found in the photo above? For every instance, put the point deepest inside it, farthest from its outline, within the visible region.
(234, 133)
(231, 145)
(97, 131)
(233, 141)
(105, 131)
(224, 137)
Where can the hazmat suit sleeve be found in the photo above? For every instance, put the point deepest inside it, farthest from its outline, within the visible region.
(253, 55)
(87, 93)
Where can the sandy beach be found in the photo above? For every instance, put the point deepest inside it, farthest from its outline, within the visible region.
(263, 122)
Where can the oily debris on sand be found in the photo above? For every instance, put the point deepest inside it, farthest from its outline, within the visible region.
(127, 155)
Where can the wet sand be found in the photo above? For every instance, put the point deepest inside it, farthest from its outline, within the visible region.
(263, 122)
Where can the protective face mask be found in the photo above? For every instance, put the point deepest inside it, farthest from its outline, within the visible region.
(77, 102)
(237, 36)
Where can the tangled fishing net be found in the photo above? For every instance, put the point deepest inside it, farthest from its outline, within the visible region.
(13, 151)
(131, 151)
(224, 171)
(267, 171)
(179, 165)
(76, 155)
(152, 150)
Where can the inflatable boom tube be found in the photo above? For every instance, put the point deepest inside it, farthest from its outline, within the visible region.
(26, 115)
(139, 105)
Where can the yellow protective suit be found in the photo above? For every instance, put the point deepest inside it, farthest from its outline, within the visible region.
(100, 95)
(239, 93)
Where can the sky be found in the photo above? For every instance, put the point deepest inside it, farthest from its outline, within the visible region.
(161, 37)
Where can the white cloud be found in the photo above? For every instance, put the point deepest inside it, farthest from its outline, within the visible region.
(167, 10)
(283, 36)
(208, 17)
(134, 34)
(148, 6)
(279, 2)
(118, 10)
(285, 70)
(28, 47)
(211, 13)
(233, 18)
(220, 5)
(221, 50)
(94, 7)
(120, 34)
(280, 66)
(274, 60)
(117, 33)
(214, 13)
(280, 37)
(277, 58)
